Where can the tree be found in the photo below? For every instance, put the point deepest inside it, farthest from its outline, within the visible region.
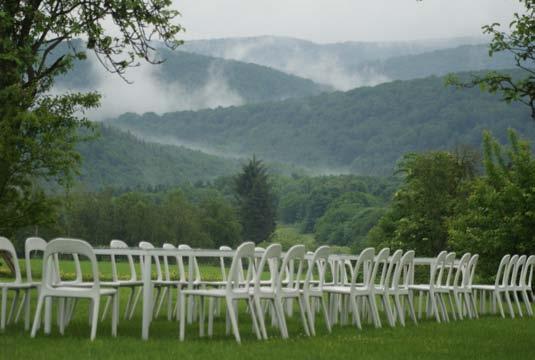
(256, 201)
(498, 216)
(433, 184)
(39, 130)
(520, 41)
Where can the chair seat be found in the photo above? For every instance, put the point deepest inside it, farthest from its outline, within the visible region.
(242, 292)
(168, 282)
(13, 285)
(420, 287)
(77, 290)
(87, 284)
(485, 287)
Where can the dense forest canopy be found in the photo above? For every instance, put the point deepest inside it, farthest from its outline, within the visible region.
(364, 131)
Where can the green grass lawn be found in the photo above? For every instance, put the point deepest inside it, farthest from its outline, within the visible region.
(487, 338)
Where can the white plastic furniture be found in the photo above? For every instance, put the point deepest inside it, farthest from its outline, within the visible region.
(262, 292)
(399, 289)
(524, 284)
(499, 287)
(234, 291)
(437, 268)
(17, 286)
(132, 283)
(459, 290)
(363, 291)
(313, 289)
(94, 292)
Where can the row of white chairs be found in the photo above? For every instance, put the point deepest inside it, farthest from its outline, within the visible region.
(351, 289)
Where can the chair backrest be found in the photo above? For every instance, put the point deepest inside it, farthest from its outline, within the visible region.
(119, 244)
(471, 271)
(31, 245)
(461, 271)
(403, 273)
(145, 245)
(319, 261)
(393, 264)
(500, 274)
(166, 269)
(196, 269)
(381, 262)
(70, 247)
(244, 254)
(436, 267)
(365, 259)
(292, 264)
(446, 273)
(271, 257)
(517, 270)
(7, 246)
(526, 275)
(222, 262)
(509, 269)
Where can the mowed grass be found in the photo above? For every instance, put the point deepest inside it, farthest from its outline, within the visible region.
(489, 337)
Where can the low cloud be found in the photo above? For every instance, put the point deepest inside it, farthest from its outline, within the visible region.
(147, 92)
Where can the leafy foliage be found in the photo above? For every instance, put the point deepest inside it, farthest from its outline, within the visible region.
(39, 131)
(498, 216)
(518, 41)
(256, 201)
(420, 210)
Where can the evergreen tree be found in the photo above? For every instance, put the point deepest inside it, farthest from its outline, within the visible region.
(256, 201)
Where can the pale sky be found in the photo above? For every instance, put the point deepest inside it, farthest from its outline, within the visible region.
(342, 20)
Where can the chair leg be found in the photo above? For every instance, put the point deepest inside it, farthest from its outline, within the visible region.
(326, 314)
(374, 311)
(3, 310)
(115, 314)
(498, 300)
(48, 315)
(388, 310)
(509, 304)
(399, 307)
(210, 316)
(182, 313)
(356, 311)
(310, 315)
(61, 315)
(233, 319)
(136, 300)
(106, 308)
(13, 306)
(94, 317)
(201, 316)
(37, 317)
(410, 301)
(303, 315)
(27, 296)
(515, 297)
(170, 304)
(279, 312)
(21, 306)
(254, 318)
(260, 314)
(434, 306)
(527, 303)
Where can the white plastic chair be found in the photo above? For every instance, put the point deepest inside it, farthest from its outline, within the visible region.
(17, 286)
(499, 287)
(385, 284)
(132, 283)
(356, 291)
(94, 292)
(234, 291)
(524, 284)
(261, 292)
(313, 289)
(401, 280)
(437, 268)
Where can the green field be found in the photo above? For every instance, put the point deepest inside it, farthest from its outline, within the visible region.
(487, 338)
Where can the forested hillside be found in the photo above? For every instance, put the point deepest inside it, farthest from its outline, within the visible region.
(117, 159)
(438, 62)
(364, 131)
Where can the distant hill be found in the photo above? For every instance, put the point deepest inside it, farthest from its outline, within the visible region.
(117, 159)
(364, 131)
(335, 64)
(438, 62)
(185, 81)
